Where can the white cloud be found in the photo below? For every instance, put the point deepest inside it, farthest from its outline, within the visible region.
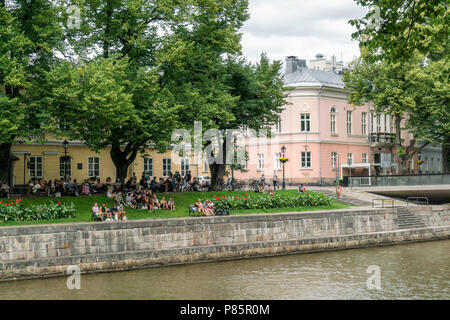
(300, 28)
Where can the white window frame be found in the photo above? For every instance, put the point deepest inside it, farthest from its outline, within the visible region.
(166, 167)
(93, 167)
(61, 167)
(334, 156)
(378, 123)
(364, 158)
(364, 123)
(185, 166)
(305, 160)
(148, 166)
(33, 167)
(278, 127)
(277, 162)
(305, 122)
(260, 161)
(333, 121)
(350, 157)
(349, 122)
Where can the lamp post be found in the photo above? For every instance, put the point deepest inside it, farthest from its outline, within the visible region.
(420, 162)
(65, 145)
(283, 161)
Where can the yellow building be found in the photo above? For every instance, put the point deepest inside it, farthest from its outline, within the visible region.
(45, 161)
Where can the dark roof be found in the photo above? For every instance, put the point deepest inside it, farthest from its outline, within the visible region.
(312, 77)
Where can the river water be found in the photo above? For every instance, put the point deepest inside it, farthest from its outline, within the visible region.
(408, 271)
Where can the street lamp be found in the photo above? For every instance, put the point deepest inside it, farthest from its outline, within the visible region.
(65, 145)
(283, 161)
(420, 162)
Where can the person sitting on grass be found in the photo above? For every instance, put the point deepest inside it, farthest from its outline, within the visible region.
(171, 204)
(103, 212)
(209, 208)
(199, 207)
(156, 204)
(129, 200)
(96, 211)
(120, 213)
(163, 204)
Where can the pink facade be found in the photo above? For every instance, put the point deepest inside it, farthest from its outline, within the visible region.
(317, 127)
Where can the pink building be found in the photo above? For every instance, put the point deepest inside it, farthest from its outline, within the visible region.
(319, 128)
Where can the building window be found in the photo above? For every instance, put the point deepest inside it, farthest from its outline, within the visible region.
(35, 167)
(364, 123)
(167, 167)
(385, 123)
(334, 156)
(277, 162)
(184, 167)
(426, 165)
(94, 167)
(148, 166)
(306, 160)
(378, 123)
(305, 122)
(333, 120)
(350, 158)
(432, 165)
(438, 165)
(349, 122)
(260, 161)
(278, 127)
(412, 164)
(364, 158)
(68, 167)
(391, 124)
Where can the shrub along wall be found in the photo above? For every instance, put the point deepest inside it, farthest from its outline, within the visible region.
(309, 199)
(15, 211)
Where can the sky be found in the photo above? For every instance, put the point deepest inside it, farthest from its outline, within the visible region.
(301, 28)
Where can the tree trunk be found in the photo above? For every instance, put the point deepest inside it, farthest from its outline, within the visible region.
(218, 169)
(122, 159)
(217, 173)
(401, 165)
(5, 161)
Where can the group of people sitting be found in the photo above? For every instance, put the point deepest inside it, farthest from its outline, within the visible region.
(205, 208)
(116, 213)
(141, 199)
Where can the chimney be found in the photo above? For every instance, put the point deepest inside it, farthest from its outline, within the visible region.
(294, 64)
(333, 62)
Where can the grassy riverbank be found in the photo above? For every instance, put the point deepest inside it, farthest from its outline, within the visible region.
(83, 205)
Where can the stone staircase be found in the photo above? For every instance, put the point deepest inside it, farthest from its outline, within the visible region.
(407, 220)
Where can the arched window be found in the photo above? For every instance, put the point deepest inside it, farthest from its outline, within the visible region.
(333, 120)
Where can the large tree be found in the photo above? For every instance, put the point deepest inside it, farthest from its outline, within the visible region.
(413, 92)
(399, 32)
(30, 33)
(159, 55)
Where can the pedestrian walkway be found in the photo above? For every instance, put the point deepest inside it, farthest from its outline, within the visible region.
(359, 197)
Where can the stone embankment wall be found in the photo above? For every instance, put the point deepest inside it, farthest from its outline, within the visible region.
(48, 250)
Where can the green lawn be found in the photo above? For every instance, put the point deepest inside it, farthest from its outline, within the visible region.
(84, 204)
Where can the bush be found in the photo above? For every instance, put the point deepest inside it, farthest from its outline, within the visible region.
(15, 211)
(309, 199)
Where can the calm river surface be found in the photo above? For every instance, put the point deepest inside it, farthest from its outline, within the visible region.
(409, 271)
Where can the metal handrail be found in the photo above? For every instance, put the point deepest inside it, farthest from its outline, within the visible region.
(418, 202)
(382, 202)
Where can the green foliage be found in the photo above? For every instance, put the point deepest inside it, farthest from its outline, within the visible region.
(403, 27)
(15, 211)
(309, 199)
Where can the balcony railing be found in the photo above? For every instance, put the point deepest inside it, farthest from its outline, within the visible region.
(382, 138)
